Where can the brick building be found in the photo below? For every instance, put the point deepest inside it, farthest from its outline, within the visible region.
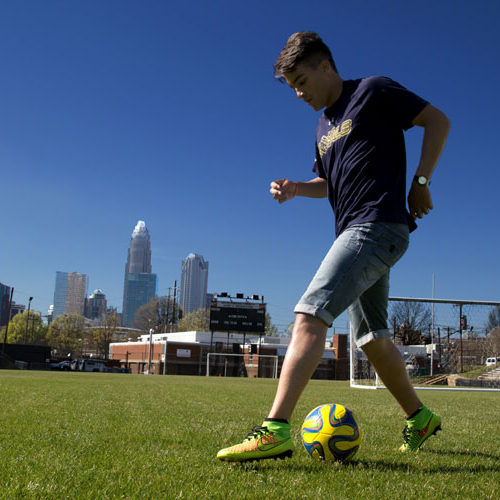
(235, 355)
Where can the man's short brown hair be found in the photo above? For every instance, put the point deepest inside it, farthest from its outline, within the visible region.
(303, 46)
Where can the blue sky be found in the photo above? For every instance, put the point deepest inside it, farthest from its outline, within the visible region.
(115, 111)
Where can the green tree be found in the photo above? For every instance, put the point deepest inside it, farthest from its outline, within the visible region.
(66, 334)
(103, 333)
(270, 329)
(27, 328)
(198, 320)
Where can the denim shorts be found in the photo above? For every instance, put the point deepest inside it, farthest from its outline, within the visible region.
(354, 275)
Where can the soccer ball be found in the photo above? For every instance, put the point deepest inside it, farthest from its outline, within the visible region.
(331, 432)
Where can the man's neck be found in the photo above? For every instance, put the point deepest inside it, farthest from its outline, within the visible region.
(337, 87)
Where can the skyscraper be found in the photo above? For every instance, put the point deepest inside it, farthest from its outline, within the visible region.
(194, 280)
(69, 293)
(95, 305)
(4, 304)
(140, 284)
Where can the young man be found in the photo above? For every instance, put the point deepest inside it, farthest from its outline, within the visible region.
(360, 166)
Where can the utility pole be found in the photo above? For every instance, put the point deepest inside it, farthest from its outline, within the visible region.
(439, 344)
(173, 308)
(27, 320)
(461, 344)
(167, 311)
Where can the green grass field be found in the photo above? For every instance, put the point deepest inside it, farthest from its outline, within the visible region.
(93, 435)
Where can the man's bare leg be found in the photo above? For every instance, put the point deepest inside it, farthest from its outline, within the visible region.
(302, 357)
(389, 364)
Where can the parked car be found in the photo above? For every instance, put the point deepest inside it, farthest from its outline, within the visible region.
(62, 365)
(492, 361)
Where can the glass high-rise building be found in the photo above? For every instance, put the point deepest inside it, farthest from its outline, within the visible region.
(95, 305)
(69, 293)
(194, 281)
(4, 304)
(140, 284)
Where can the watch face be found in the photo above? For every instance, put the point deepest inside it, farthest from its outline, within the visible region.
(422, 180)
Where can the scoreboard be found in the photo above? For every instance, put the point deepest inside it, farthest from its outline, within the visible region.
(237, 317)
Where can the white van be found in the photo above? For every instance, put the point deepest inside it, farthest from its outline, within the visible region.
(88, 365)
(492, 361)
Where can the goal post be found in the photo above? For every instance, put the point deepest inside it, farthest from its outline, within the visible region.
(444, 344)
(242, 365)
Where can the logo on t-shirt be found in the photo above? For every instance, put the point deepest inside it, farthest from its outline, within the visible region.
(333, 135)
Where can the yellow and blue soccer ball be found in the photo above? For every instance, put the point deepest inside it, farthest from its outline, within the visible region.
(331, 432)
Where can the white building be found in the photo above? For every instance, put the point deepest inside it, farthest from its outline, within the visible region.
(194, 280)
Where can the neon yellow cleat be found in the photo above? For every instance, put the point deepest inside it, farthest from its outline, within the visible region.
(419, 428)
(266, 441)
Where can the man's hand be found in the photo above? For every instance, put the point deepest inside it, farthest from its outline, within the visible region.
(419, 200)
(283, 190)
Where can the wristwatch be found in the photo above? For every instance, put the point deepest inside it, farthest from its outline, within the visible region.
(422, 180)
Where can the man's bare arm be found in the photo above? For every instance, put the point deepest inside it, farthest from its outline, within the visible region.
(285, 189)
(436, 126)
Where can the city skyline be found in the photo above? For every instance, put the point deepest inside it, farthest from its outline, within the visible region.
(139, 259)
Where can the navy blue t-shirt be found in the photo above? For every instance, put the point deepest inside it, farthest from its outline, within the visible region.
(360, 151)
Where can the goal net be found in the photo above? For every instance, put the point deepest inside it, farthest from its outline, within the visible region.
(445, 344)
(242, 365)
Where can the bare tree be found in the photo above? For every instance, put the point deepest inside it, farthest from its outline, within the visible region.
(492, 344)
(147, 316)
(411, 320)
(493, 319)
(160, 313)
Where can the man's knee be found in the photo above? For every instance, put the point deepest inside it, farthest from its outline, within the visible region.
(380, 348)
(309, 324)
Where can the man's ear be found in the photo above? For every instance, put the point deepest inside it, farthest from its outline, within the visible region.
(325, 65)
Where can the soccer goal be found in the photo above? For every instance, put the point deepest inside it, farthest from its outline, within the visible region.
(242, 365)
(444, 343)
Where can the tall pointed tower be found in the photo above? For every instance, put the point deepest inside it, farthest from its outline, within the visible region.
(140, 284)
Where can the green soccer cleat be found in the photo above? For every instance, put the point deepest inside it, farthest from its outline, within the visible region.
(422, 426)
(270, 440)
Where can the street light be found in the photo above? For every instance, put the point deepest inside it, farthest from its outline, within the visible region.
(27, 320)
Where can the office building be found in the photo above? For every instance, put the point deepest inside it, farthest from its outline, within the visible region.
(95, 305)
(4, 303)
(140, 283)
(16, 309)
(69, 293)
(194, 280)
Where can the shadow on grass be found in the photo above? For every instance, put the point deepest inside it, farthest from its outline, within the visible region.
(384, 465)
(460, 453)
